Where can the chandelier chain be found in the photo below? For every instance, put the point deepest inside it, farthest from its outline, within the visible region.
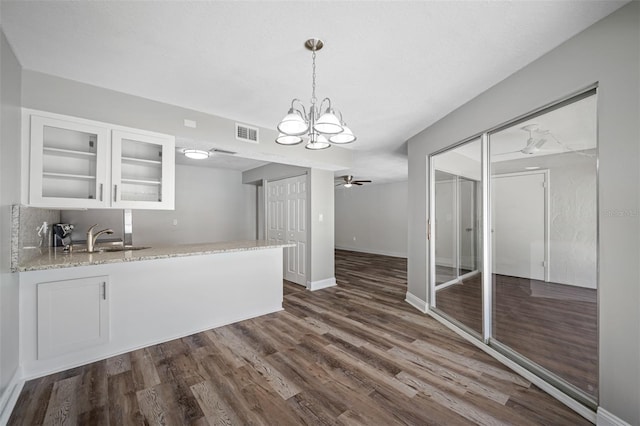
(313, 75)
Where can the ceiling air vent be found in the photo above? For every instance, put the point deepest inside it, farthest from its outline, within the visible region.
(246, 133)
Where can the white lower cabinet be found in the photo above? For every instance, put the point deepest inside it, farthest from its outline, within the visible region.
(72, 315)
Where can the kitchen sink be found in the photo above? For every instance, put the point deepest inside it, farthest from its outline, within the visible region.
(109, 249)
(116, 248)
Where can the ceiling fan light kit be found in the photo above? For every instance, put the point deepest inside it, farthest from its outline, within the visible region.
(349, 181)
(321, 123)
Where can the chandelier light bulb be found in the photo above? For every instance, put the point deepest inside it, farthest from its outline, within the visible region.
(346, 136)
(293, 123)
(328, 123)
(317, 142)
(284, 139)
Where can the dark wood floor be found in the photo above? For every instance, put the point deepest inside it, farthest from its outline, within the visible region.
(354, 354)
(554, 325)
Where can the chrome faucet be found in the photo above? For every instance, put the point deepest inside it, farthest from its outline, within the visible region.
(91, 237)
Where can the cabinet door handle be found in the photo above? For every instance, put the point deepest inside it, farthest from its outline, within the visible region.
(104, 291)
(115, 193)
(101, 191)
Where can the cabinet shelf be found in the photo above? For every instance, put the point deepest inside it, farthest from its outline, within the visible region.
(141, 161)
(67, 176)
(71, 152)
(141, 181)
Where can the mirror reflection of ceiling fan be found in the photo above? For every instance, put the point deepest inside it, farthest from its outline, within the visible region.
(348, 181)
(535, 141)
(538, 138)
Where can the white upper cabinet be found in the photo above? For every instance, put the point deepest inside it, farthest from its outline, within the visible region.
(142, 171)
(77, 163)
(68, 163)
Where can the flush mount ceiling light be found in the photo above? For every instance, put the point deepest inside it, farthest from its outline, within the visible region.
(321, 124)
(196, 154)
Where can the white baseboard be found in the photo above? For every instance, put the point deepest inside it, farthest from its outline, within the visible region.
(605, 418)
(10, 396)
(416, 302)
(319, 285)
(370, 251)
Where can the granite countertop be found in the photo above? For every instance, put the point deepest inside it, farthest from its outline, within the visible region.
(54, 258)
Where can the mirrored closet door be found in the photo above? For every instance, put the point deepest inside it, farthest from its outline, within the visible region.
(538, 175)
(457, 236)
(544, 241)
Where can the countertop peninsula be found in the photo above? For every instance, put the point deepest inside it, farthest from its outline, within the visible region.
(55, 258)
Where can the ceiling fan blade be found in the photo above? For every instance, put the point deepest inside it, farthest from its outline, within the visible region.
(541, 142)
(361, 181)
(341, 177)
(356, 183)
(506, 153)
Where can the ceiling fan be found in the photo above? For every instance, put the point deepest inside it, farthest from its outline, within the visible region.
(533, 144)
(348, 181)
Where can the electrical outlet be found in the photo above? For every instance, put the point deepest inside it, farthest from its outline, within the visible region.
(190, 123)
(354, 238)
(175, 222)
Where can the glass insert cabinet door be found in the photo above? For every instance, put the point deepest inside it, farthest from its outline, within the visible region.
(513, 253)
(141, 176)
(67, 163)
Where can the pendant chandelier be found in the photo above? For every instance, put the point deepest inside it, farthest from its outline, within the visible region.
(321, 124)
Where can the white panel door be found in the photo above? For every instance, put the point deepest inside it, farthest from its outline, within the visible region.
(287, 222)
(296, 230)
(275, 211)
(518, 224)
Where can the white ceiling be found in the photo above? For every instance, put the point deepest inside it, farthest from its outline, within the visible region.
(393, 68)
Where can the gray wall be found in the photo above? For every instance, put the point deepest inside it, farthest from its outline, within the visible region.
(10, 100)
(322, 225)
(211, 205)
(372, 218)
(272, 171)
(608, 53)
